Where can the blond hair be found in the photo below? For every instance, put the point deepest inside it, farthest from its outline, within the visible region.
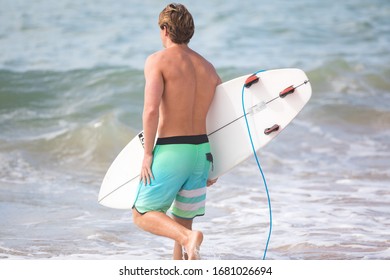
(179, 23)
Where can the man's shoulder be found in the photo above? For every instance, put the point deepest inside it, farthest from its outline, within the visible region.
(155, 59)
(157, 55)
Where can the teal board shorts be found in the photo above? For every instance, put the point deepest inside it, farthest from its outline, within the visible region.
(180, 168)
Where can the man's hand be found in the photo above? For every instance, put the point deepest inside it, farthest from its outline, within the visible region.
(146, 169)
(211, 182)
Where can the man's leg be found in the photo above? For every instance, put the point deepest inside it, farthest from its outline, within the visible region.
(178, 249)
(160, 224)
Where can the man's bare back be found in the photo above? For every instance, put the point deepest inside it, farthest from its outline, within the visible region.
(189, 86)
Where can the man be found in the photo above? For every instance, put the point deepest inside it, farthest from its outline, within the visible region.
(179, 88)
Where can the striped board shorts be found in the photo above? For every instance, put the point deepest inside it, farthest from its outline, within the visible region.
(180, 168)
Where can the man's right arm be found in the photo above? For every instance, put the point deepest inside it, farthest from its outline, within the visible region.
(154, 88)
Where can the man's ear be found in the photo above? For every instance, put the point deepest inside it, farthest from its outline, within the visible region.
(165, 31)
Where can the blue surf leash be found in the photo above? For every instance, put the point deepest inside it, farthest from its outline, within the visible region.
(251, 80)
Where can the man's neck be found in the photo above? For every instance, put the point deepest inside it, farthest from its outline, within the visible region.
(170, 44)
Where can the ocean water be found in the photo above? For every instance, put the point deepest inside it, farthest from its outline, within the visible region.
(71, 96)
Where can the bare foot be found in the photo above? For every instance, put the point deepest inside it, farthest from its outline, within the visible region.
(193, 245)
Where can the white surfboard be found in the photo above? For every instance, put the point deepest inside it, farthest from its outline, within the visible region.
(272, 100)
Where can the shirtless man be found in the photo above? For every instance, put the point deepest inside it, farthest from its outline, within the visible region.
(179, 88)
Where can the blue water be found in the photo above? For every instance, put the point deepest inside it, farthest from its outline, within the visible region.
(71, 96)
